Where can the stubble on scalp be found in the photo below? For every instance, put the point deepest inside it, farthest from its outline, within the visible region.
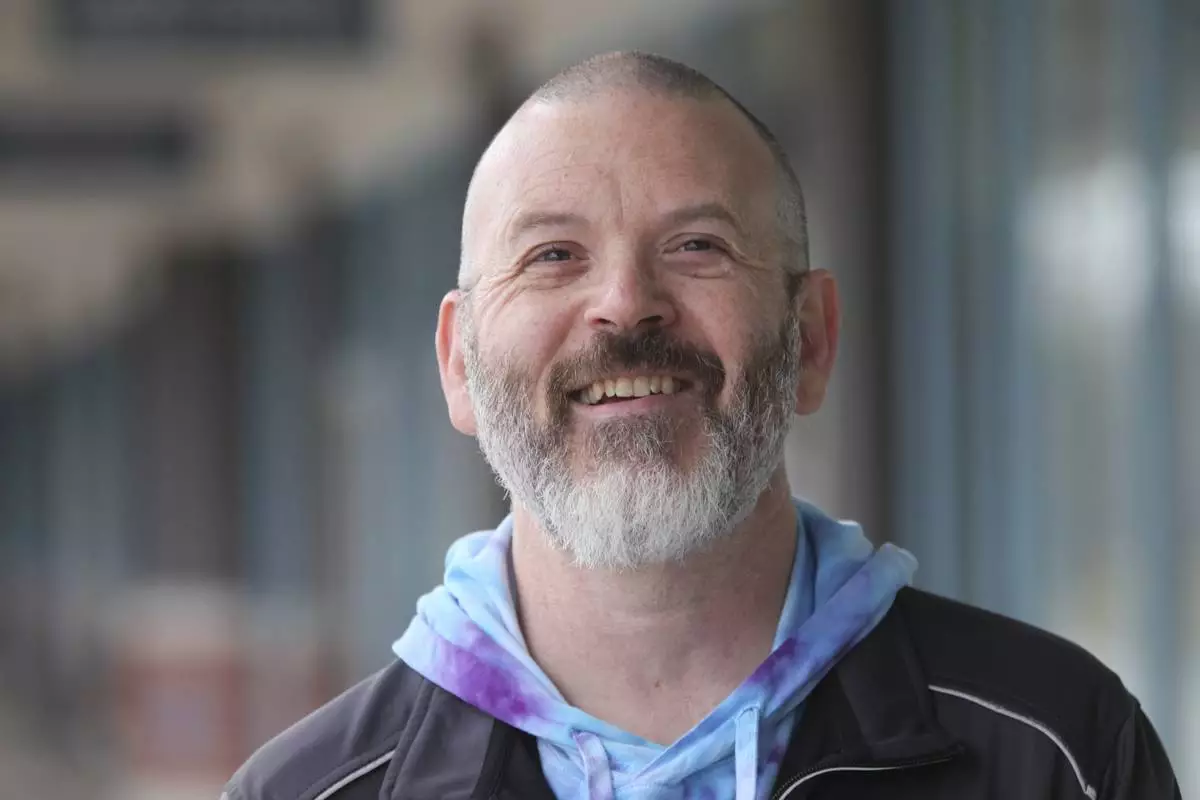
(635, 71)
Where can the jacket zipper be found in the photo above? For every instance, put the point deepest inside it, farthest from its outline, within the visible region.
(815, 772)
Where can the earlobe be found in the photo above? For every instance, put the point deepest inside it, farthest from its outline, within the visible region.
(451, 363)
(819, 313)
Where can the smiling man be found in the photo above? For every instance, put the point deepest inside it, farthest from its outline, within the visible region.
(634, 327)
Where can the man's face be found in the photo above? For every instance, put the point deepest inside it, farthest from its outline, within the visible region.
(629, 348)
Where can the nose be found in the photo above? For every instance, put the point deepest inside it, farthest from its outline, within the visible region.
(630, 298)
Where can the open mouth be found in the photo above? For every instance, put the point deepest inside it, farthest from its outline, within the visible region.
(616, 390)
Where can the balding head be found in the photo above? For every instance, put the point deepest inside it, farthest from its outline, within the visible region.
(632, 71)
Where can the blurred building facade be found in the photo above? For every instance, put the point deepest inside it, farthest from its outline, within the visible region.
(225, 469)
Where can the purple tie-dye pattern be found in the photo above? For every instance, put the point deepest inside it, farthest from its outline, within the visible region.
(775, 755)
(699, 793)
(782, 659)
(466, 638)
(486, 687)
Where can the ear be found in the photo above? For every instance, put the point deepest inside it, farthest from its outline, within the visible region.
(451, 366)
(819, 311)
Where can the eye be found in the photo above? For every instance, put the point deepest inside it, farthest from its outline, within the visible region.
(552, 255)
(552, 265)
(696, 245)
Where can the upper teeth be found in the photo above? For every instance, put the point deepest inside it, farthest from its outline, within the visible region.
(638, 386)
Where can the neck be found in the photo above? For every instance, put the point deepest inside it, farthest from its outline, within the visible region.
(654, 650)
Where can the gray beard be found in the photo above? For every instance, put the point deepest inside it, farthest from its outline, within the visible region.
(632, 506)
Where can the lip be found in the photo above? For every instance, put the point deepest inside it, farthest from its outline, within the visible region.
(649, 404)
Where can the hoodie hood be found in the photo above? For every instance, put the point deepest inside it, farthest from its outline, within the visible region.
(466, 639)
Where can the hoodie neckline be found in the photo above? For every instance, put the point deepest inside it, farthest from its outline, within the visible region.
(466, 640)
(873, 709)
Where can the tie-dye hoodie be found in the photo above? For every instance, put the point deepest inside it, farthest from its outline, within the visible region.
(466, 639)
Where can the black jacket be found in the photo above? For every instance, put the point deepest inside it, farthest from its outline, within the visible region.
(940, 700)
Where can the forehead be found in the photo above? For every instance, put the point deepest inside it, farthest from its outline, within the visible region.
(621, 153)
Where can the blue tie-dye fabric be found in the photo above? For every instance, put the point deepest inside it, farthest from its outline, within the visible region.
(465, 638)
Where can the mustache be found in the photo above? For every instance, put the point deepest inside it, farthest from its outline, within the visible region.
(652, 351)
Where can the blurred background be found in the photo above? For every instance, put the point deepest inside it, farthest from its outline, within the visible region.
(226, 472)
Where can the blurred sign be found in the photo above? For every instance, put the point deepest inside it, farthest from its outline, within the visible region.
(131, 25)
(78, 145)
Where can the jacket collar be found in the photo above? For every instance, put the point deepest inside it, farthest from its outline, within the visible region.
(874, 709)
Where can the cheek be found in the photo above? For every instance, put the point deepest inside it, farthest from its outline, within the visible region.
(525, 334)
(743, 356)
(728, 308)
(729, 329)
(524, 355)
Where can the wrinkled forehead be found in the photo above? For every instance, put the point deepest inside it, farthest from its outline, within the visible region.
(618, 155)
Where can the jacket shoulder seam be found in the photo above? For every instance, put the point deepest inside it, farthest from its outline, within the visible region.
(361, 772)
(1025, 719)
(340, 744)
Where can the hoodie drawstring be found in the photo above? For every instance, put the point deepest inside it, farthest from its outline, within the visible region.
(745, 754)
(598, 774)
(595, 765)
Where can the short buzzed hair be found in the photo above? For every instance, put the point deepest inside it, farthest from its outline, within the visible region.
(632, 69)
(647, 72)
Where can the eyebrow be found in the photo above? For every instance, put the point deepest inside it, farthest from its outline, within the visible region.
(530, 220)
(709, 211)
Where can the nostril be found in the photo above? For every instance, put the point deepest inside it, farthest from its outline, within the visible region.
(645, 322)
(628, 323)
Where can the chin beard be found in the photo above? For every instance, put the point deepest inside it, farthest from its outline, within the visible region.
(638, 507)
(631, 503)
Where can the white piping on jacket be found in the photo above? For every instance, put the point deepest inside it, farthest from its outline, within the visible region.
(970, 698)
(353, 776)
(990, 706)
(1033, 723)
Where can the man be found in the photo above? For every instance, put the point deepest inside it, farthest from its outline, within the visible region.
(635, 324)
